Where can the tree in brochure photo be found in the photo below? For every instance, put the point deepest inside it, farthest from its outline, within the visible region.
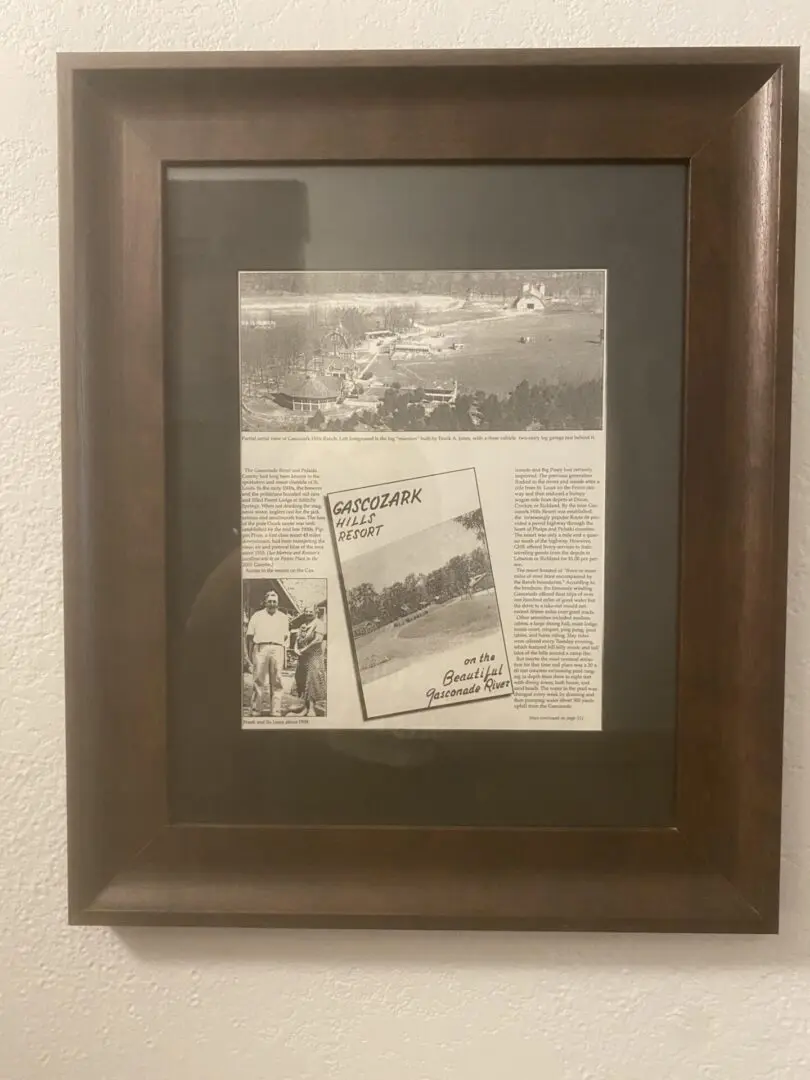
(419, 594)
(427, 450)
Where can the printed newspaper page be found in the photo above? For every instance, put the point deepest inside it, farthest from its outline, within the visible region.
(423, 499)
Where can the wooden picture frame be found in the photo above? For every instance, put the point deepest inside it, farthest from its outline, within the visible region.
(731, 114)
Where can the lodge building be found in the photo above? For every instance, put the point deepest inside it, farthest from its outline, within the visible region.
(308, 393)
(437, 395)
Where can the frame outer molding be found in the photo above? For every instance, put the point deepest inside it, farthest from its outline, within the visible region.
(121, 118)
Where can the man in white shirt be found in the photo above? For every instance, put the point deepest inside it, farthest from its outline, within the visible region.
(268, 634)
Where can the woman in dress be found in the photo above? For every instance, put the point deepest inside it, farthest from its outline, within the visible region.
(312, 648)
(310, 671)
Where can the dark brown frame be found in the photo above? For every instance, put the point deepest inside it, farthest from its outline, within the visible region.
(732, 115)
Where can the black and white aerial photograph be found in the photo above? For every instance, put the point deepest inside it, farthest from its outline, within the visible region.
(418, 351)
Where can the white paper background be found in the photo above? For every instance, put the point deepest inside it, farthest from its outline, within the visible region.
(370, 459)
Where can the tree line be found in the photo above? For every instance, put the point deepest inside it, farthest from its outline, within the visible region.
(367, 605)
(270, 352)
(542, 406)
(483, 283)
(402, 598)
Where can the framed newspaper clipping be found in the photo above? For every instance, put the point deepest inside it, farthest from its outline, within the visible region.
(426, 423)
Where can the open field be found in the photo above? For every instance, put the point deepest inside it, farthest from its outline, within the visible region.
(564, 347)
(456, 622)
(456, 315)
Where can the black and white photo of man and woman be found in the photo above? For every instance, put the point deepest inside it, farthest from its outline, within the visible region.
(284, 640)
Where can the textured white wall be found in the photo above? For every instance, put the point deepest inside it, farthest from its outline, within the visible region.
(97, 1005)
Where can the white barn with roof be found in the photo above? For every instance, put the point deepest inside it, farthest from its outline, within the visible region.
(532, 298)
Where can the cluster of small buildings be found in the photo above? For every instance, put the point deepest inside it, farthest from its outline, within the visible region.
(329, 384)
